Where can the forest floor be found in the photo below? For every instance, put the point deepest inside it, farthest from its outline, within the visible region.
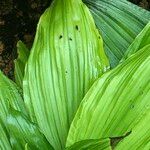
(18, 20)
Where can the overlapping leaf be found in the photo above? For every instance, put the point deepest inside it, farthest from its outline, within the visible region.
(140, 41)
(119, 22)
(66, 58)
(139, 139)
(10, 96)
(16, 129)
(116, 102)
(103, 144)
(23, 54)
(22, 131)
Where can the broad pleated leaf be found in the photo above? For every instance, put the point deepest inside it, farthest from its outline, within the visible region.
(22, 131)
(23, 54)
(116, 101)
(103, 144)
(66, 58)
(4, 140)
(140, 41)
(139, 139)
(119, 22)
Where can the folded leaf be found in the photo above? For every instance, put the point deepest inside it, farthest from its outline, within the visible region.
(119, 22)
(23, 54)
(140, 41)
(139, 139)
(116, 102)
(103, 144)
(22, 131)
(66, 58)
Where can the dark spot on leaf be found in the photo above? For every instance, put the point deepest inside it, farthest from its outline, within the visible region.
(70, 39)
(66, 71)
(141, 92)
(77, 28)
(115, 140)
(60, 36)
(132, 106)
(99, 37)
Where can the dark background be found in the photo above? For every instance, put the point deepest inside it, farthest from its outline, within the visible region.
(18, 21)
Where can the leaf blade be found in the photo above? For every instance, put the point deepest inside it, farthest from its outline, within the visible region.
(120, 92)
(101, 144)
(23, 131)
(119, 22)
(140, 41)
(65, 60)
(23, 54)
(140, 136)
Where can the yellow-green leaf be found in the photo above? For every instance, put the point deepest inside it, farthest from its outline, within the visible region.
(66, 58)
(20, 62)
(10, 96)
(116, 102)
(139, 139)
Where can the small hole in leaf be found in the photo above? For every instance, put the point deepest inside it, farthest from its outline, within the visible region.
(132, 106)
(60, 36)
(77, 28)
(141, 92)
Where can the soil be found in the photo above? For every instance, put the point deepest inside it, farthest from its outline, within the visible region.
(18, 21)
(142, 3)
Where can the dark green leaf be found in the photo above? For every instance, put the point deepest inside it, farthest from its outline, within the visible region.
(119, 22)
(102, 144)
(140, 41)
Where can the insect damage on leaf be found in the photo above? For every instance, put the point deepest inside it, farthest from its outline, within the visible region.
(82, 55)
(60, 36)
(115, 140)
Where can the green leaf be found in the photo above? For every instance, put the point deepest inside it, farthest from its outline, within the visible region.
(102, 144)
(22, 131)
(10, 96)
(140, 41)
(139, 139)
(119, 22)
(66, 58)
(23, 54)
(116, 101)
(4, 140)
